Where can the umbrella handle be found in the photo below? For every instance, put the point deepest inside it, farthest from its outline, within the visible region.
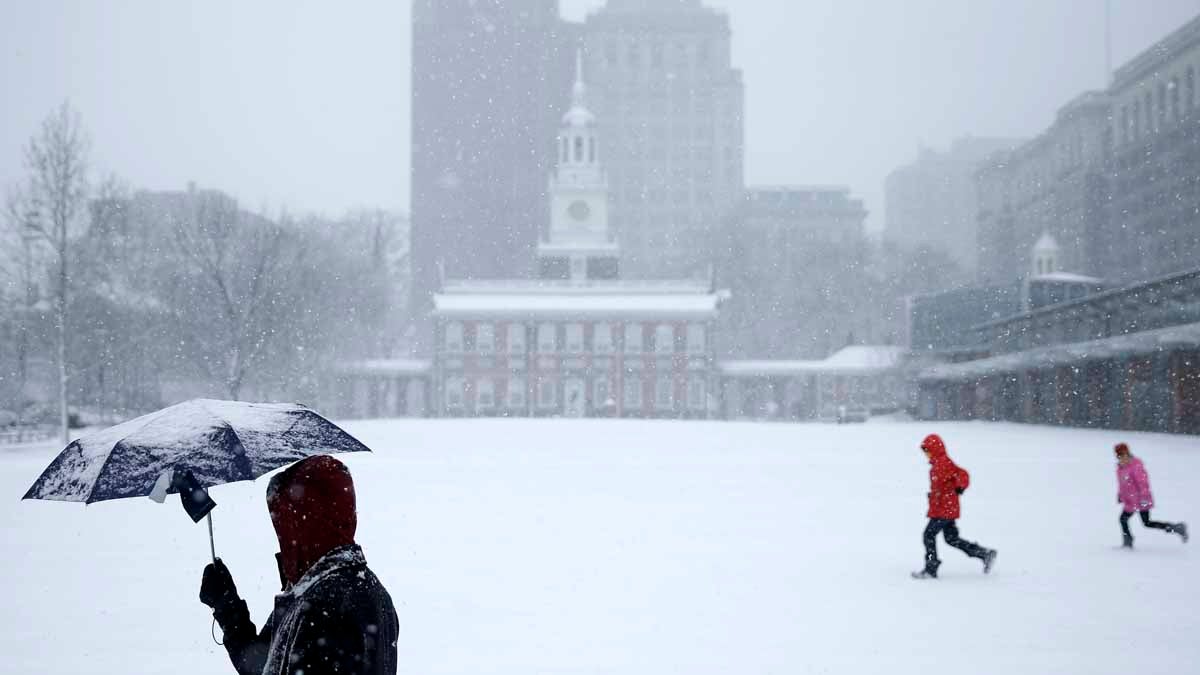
(212, 547)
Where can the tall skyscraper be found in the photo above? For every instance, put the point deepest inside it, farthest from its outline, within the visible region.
(490, 81)
(671, 107)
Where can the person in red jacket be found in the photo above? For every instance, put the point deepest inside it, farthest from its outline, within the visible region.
(947, 481)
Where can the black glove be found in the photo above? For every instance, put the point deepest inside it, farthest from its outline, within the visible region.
(217, 588)
(1118, 499)
(960, 490)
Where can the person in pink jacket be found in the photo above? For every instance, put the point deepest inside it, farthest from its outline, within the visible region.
(1133, 493)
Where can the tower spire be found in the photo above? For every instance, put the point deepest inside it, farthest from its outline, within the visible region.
(578, 90)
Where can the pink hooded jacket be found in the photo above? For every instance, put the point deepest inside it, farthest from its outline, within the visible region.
(1133, 485)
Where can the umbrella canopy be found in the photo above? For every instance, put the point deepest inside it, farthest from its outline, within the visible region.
(218, 441)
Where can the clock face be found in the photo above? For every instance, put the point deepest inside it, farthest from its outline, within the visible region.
(579, 210)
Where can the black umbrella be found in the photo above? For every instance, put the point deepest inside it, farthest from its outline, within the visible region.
(187, 448)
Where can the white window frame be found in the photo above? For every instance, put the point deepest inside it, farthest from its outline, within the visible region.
(696, 339)
(547, 335)
(602, 338)
(547, 387)
(664, 384)
(455, 388)
(453, 341)
(634, 338)
(574, 338)
(631, 396)
(664, 339)
(697, 393)
(516, 338)
(515, 395)
(485, 388)
(485, 338)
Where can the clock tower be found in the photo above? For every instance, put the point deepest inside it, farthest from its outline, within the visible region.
(579, 246)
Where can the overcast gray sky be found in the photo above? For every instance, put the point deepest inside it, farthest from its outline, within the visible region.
(306, 104)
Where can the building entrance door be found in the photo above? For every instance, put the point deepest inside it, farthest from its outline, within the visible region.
(574, 399)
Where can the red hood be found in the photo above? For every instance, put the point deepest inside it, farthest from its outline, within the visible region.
(936, 447)
(314, 511)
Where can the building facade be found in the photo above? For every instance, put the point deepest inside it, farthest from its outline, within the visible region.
(1115, 179)
(1127, 358)
(1154, 217)
(578, 341)
(489, 80)
(1054, 184)
(865, 379)
(784, 247)
(931, 202)
(672, 111)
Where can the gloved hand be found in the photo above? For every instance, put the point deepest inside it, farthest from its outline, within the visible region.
(217, 587)
(960, 490)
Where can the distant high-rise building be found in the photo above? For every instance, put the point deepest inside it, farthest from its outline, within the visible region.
(671, 106)
(1154, 212)
(490, 79)
(1115, 179)
(931, 202)
(1054, 184)
(792, 258)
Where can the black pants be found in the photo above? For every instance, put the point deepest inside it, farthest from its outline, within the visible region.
(950, 529)
(1152, 524)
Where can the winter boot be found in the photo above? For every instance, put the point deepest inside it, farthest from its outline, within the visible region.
(989, 559)
(930, 571)
(1127, 541)
(1181, 529)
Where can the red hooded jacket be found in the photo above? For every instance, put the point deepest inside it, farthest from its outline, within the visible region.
(945, 480)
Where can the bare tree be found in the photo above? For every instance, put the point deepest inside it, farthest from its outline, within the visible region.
(20, 265)
(224, 303)
(56, 159)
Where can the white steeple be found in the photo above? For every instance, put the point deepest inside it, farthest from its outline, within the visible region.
(578, 190)
(1045, 255)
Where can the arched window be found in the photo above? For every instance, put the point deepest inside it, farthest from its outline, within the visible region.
(1189, 88)
(1174, 88)
(579, 148)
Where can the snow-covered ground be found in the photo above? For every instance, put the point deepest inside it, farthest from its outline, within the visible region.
(520, 547)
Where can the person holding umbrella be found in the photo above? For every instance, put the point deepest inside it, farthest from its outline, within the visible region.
(1133, 493)
(333, 616)
(947, 482)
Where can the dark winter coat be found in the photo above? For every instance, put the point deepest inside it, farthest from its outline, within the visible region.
(337, 618)
(947, 480)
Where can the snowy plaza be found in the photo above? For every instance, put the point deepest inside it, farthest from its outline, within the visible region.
(639, 547)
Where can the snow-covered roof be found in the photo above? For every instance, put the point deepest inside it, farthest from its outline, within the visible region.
(384, 367)
(583, 301)
(1145, 342)
(853, 360)
(1067, 276)
(564, 286)
(866, 356)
